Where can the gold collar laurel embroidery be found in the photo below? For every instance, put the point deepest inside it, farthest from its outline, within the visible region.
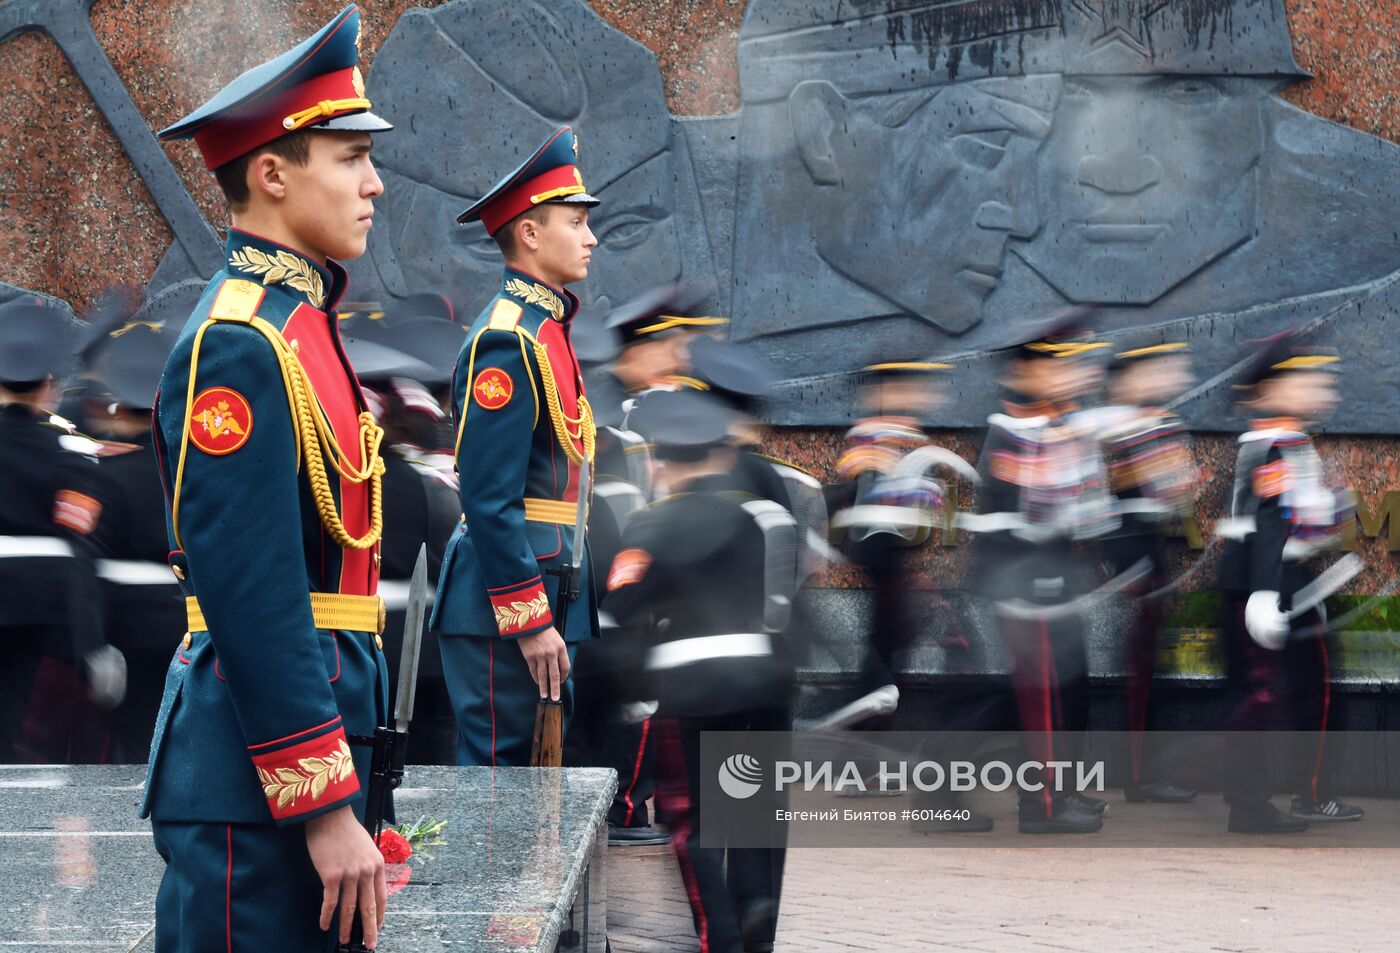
(314, 776)
(520, 613)
(538, 295)
(282, 268)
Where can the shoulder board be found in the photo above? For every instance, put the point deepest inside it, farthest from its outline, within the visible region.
(505, 315)
(786, 463)
(237, 300)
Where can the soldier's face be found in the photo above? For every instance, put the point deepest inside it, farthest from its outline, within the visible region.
(1307, 395)
(564, 245)
(329, 202)
(930, 190)
(1147, 179)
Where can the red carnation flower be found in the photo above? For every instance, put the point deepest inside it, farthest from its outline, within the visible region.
(394, 846)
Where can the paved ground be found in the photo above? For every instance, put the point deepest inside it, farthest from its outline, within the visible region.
(1004, 898)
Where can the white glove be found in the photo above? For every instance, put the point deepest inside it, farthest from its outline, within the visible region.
(106, 676)
(1267, 625)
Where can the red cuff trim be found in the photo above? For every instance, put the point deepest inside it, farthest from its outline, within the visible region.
(307, 776)
(522, 611)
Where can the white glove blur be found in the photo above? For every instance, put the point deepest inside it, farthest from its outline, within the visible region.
(1267, 625)
(106, 676)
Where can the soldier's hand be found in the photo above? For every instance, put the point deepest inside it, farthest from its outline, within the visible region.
(548, 658)
(351, 869)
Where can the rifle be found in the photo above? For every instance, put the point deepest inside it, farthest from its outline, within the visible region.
(547, 746)
(390, 745)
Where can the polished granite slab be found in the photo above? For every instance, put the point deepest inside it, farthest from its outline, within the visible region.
(523, 866)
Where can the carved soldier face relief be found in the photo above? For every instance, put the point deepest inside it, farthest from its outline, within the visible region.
(1146, 180)
(919, 192)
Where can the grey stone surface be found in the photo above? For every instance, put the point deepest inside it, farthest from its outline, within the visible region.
(921, 177)
(523, 844)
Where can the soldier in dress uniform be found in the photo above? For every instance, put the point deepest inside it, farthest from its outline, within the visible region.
(57, 664)
(524, 430)
(1284, 516)
(270, 464)
(1043, 490)
(698, 569)
(1147, 452)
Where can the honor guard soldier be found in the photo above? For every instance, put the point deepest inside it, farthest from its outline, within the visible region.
(270, 465)
(1043, 489)
(1284, 516)
(1147, 453)
(709, 572)
(57, 664)
(524, 431)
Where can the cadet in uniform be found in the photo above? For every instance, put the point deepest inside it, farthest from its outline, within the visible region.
(1147, 453)
(1043, 489)
(56, 662)
(524, 429)
(143, 607)
(270, 464)
(1284, 516)
(698, 569)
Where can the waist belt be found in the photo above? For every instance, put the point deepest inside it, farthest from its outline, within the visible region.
(538, 510)
(330, 610)
(699, 649)
(34, 546)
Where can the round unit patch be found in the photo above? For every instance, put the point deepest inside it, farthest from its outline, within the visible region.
(492, 388)
(221, 421)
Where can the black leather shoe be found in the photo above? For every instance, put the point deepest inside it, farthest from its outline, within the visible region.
(1085, 804)
(1070, 820)
(1264, 820)
(635, 836)
(1158, 792)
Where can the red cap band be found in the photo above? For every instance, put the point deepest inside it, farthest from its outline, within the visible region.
(258, 123)
(557, 182)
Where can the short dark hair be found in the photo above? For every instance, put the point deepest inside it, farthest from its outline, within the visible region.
(505, 236)
(295, 147)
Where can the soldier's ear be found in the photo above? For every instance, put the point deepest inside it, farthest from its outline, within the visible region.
(817, 111)
(267, 175)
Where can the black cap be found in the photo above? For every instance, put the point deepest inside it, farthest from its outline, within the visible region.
(1281, 354)
(682, 424)
(663, 310)
(901, 370)
(594, 342)
(1132, 354)
(136, 356)
(1068, 333)
(431, 340)
(374, 361)
(422, 304)
(33, 341)
(732, 372)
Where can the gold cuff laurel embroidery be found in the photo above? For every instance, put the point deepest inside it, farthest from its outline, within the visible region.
(519, 613)
(315, 775)
(282, 268)
(536, 294)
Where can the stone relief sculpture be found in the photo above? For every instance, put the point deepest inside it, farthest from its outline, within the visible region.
(470, 69)
(903, 177)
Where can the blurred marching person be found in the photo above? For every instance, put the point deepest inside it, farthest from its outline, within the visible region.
(1285, 514)
(612, 728)
(143, 606)
(1147, 452)
(1043, 490)
(59, 675)
(420, 501)
(656, 334)
(709, 572)
(881, 514)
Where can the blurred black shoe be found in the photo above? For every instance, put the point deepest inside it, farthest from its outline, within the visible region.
(1158, 792)
(635, 836)
(1088, 805)
(1264, 820)
(1331, 810)
(1067, 820)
